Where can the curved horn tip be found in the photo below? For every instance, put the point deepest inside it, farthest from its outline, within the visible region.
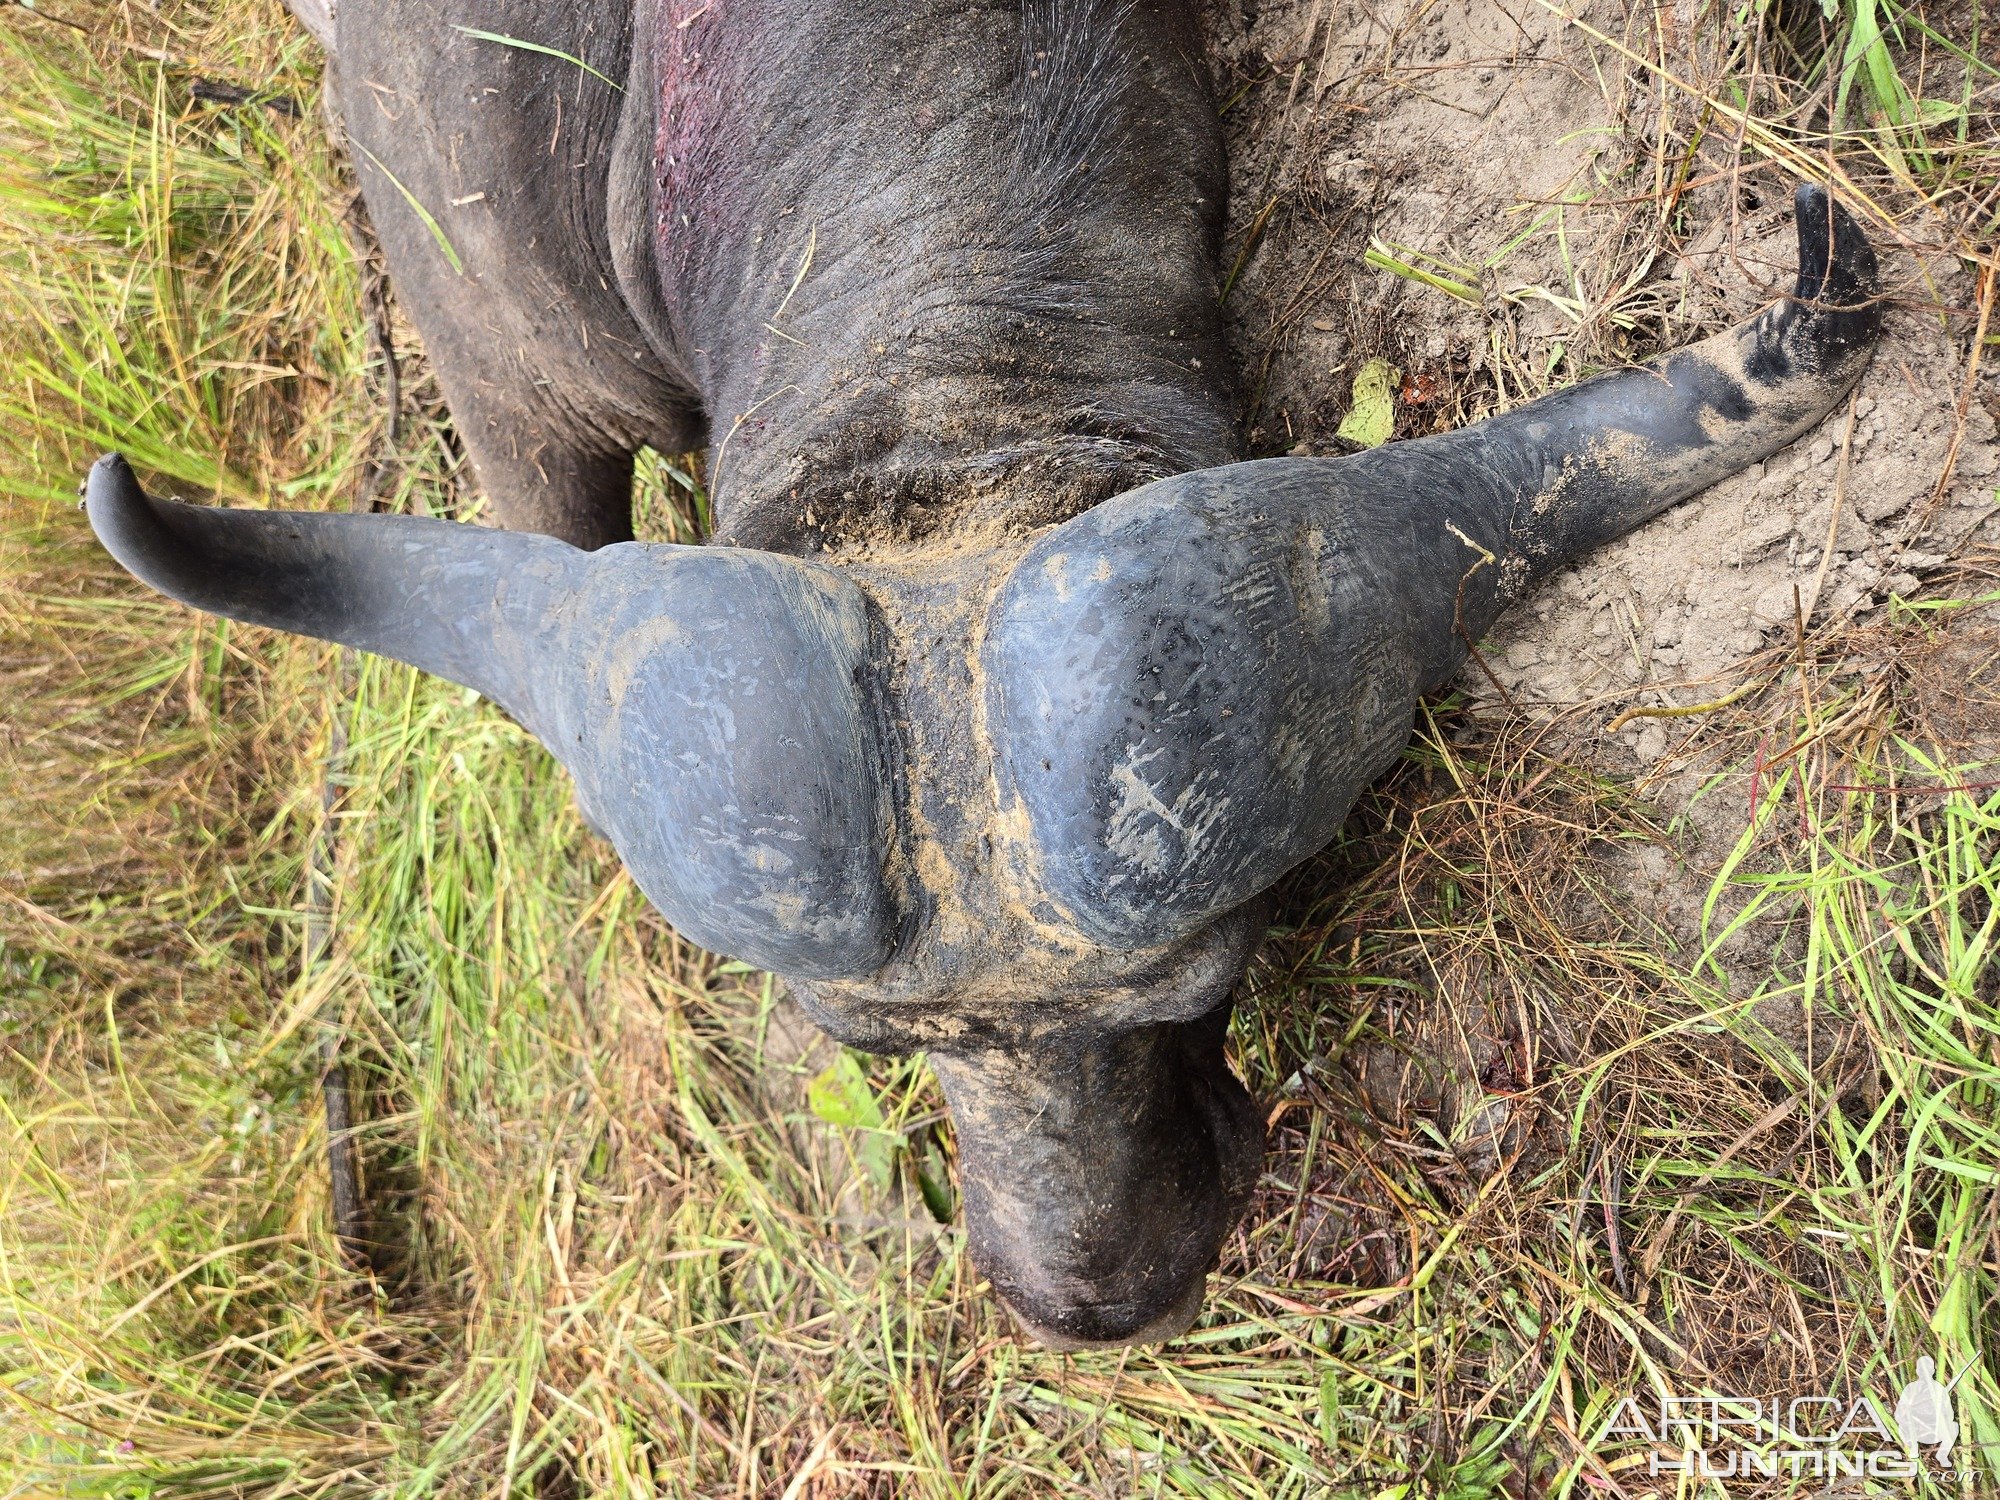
(119, 510)
(1837, 267)
(110, 482)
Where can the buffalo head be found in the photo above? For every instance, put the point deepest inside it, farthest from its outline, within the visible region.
(1016, 799)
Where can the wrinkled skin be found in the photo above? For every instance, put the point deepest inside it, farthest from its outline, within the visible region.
(1004, 693)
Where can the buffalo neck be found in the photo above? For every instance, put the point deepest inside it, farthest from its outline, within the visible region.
(953, 271)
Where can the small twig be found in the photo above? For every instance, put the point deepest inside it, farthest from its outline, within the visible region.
(374, 296)
(151, 54)
(1833, 520)
(350, 1218)
(350, 1215)
(43, 15)
(1251, 239)
(722, 449)
(1458, 615)
(1989, 280)
(1944, 790)
(1613, 1174)
(350, 1210)
(1724, 701)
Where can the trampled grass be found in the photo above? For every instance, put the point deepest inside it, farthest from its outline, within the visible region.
(1526, 1158)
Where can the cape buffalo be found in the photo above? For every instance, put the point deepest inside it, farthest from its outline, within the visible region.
(1004, 690)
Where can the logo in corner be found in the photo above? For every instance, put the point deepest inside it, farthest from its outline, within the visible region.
(1822, 1437)
(1923, 1411)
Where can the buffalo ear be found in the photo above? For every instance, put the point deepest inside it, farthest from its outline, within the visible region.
(468, 603)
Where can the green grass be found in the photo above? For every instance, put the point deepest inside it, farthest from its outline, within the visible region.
(616, 1258)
